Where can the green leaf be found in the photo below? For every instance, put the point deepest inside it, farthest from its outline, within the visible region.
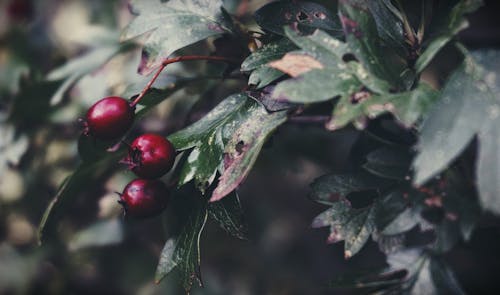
(358, 230)
(329, 189)
(408, 107)
(362, 36)
(352, 225)
(267, 53)
(229, 215)
(87, 174)
(307, 16)
(488, 165)
(243, 148)
(318, 84)
(101, 233)
(389, 162)
(263, 76)
(166, 263)
(185, 257)
(197, 20)
(389, 25)
(187, 250)
(207, 139)
(256, 62)
(444, 28)
(453, 121)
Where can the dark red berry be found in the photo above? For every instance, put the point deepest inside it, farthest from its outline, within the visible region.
(144, 198)
(109, 118)
(150, 156)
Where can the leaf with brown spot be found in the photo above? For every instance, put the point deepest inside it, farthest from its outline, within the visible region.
(295, 64)
(242, 150)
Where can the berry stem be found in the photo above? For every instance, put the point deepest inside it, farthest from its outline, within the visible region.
(174, 60)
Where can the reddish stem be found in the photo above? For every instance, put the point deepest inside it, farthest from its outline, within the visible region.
(174, 60)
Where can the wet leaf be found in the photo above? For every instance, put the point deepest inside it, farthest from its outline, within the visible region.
(362, 36)
(207, 139)
(243, 148)
(162, 21)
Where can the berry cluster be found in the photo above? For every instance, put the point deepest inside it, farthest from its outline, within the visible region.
(150, 156)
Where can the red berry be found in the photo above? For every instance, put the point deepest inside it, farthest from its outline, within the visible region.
(109, 118)
(150, 156)
(144, 198)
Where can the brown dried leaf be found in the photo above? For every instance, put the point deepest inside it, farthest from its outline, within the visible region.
(295, 64)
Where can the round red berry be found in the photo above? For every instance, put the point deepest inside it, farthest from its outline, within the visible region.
(109, 118)
(150, 156)
(144, 198)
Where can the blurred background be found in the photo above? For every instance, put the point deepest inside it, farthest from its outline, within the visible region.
(41, 97)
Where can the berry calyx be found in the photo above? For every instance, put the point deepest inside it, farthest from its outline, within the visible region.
(150, 156)
(109, 118)
(143, 198)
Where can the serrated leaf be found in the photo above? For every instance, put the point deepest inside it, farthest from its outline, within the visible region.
(306, 16)
(208, 137)
(358, 230)
(354, 226)
(102, 233)
(197, 19)
(86, 174)
(187, 250)
(452, 122)
(329, 189)
(336, 78)
(242, 150)
(389, 162)
(229, 215)
(257, 62)
(408, 107)
(186, 255)
(362, 36)
(267, 53)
